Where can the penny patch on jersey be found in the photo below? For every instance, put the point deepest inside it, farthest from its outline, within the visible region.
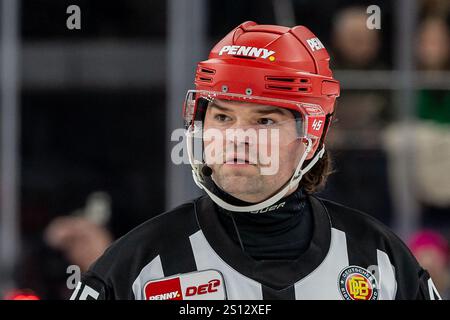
(356, 283)
(201, 285)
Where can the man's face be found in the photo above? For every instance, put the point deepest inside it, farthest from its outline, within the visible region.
(250, 133)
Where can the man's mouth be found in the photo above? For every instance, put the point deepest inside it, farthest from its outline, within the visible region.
(237, 160)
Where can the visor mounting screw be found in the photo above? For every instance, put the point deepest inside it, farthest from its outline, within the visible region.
(248, 91)
(224, 88)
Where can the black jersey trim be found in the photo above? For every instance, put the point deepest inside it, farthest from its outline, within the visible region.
(177, 255)
(283, 294)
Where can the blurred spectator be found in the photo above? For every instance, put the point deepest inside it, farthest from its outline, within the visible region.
(435, 7)
(433, 110)
(433, 54)
(432, 165)
(432, 252)
(76, 238)
(360, 117)
(433, 44)
(82, 236)
(81, 240)
(355, 46)
(360, 113)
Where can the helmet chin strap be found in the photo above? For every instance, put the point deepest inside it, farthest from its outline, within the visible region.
(292, 183)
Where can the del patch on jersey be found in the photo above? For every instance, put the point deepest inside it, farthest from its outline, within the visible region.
(203, 285)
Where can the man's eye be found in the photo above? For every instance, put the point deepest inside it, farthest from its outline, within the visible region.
(222, 117)
(266, 121)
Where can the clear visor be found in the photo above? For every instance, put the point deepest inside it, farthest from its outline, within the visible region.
(248, 111)
(231, 128)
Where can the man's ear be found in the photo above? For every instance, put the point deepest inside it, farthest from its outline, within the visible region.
(315, 144)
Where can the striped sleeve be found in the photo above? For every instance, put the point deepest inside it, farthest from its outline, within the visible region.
(91, 287)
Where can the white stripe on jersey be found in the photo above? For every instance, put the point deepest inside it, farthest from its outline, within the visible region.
(386, 277)
(433, 291)
(75, 292)
(237, 285)
(153, 270)
(88, 292)
(322, 283)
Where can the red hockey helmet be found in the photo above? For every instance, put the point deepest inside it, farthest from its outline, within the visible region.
(273, 62)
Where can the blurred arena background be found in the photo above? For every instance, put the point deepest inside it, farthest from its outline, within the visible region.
(86, 120)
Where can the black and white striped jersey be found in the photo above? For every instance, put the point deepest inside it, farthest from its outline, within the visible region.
(187, 254)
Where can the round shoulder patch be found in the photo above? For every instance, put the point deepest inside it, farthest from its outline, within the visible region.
(356, 283)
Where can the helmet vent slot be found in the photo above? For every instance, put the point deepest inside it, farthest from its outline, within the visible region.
(205, 79)
(209, 71)
(292, 84)
(280, 79)
(285, 88)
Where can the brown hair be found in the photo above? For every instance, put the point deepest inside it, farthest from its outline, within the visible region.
(315, 179)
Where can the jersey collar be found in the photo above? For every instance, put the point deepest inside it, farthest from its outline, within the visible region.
(276, 274)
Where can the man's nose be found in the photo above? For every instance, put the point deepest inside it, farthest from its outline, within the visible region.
(240, 136)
